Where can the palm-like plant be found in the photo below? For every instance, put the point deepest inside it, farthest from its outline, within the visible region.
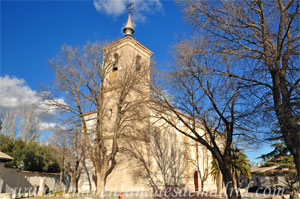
(240, 166)
(215, 170)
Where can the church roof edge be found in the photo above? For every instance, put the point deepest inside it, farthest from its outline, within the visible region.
(128, 38)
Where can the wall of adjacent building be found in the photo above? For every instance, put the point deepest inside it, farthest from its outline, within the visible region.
(268, 181)
(11, 179)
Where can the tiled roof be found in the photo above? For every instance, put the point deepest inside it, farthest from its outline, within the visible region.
(262, 169)
(270, 170)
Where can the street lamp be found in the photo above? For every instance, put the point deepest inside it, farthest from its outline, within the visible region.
(21, 165)
(235, 156)
(20, 168)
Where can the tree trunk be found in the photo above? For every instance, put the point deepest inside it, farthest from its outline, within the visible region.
(100, 184)
(228, 180)
(234, 179)
(296, 156)
(61, 179)
(289, 128)
(297, 163)
(77, 180)
(219, 182)
(73, 183)
(202, 185)
(290, 132)
(293, 143)
(88, 175)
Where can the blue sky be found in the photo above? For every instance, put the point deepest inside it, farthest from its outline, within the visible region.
(32, 32)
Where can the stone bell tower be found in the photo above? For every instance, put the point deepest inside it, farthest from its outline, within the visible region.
(128, 61)
(127, 55)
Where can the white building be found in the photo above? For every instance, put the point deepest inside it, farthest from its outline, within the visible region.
(129, 54)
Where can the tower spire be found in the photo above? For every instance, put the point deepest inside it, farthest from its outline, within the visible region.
(128, 29)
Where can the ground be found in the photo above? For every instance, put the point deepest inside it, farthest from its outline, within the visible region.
(250, 196)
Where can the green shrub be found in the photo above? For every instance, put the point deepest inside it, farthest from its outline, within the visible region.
(36, 157)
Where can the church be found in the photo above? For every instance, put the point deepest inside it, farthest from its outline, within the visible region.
(151, 153)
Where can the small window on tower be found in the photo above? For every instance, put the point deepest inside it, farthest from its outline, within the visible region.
(138, 63)
(115, 65)
(110, 113)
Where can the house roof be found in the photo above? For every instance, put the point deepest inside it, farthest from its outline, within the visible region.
(262, 169)
(278, 159)
(277, 169)
(4, 157)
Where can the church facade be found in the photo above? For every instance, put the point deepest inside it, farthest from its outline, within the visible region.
(190, 161)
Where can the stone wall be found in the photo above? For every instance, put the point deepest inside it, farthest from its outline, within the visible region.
(12, 180)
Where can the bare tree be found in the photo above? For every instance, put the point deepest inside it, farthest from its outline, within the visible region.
(70, 153)
(75, 158)
(262, 37)
(202, 100)
(30, 123)
(201, 162)
(105, 101)
(9, 123)
(59, 145)
(290, 181)
(23, 122)
(159, 155)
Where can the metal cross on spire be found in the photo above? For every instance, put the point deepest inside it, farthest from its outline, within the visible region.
(128, 29)
(130, 8)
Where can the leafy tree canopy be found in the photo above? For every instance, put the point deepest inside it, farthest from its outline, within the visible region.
(36, 157)
(279, 156)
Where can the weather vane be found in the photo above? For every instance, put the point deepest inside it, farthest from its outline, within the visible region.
(130, 8)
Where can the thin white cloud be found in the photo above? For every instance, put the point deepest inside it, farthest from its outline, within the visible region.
(15, 93)
(111, 7)
(116, 8)
(48, 126)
